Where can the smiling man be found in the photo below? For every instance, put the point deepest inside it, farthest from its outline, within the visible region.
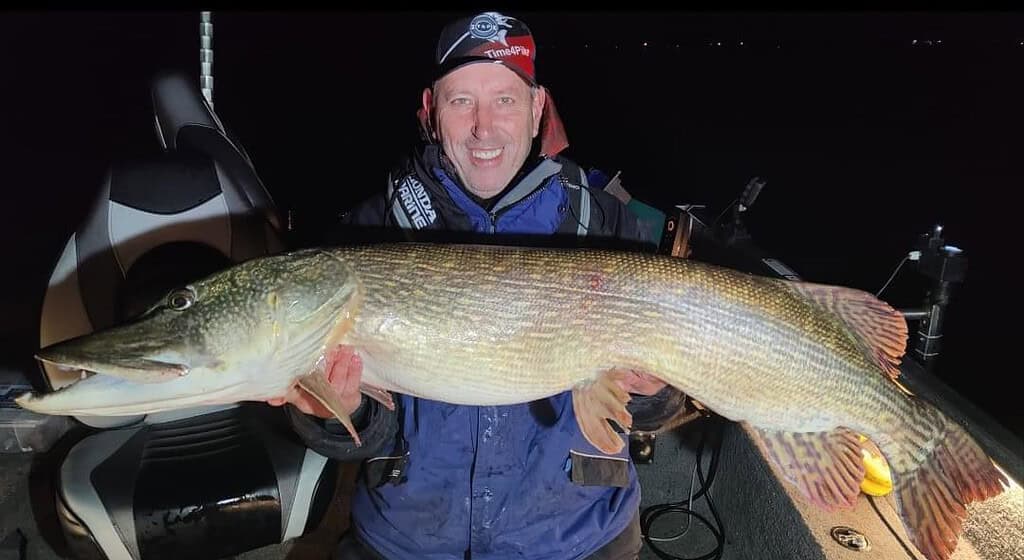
(487, 118)
(449, 482)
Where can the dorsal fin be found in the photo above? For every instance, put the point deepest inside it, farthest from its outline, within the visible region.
(880, 329)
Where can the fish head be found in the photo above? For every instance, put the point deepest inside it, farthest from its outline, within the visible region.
(244, 333)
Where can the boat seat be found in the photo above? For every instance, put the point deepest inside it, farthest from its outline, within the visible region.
(200, 191)
(202, 482)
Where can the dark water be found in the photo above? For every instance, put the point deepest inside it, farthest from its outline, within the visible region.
(865, 139)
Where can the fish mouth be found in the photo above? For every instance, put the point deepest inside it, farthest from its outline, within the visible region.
(139, 370)
(116, 374)
(80, 376)
(82, 373)
(116, 388)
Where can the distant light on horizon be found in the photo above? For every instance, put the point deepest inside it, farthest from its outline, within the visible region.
(654, 48)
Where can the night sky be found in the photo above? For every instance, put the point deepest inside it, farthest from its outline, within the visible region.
(866, 139)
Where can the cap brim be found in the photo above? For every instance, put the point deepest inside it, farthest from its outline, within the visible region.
(451, 66)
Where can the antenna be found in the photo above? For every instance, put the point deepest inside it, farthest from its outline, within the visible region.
(206, 56)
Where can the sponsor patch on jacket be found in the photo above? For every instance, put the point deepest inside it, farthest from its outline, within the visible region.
(416, 202)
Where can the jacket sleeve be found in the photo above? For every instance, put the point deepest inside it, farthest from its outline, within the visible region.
(376, 425)
(367, 222)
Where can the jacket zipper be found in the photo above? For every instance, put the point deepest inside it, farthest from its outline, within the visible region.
(495, 215)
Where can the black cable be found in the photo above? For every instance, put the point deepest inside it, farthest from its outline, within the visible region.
(893, 275)
(906, 548)
(594, 204)
(652, 513)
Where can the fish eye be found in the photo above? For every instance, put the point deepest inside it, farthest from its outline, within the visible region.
(181, 299)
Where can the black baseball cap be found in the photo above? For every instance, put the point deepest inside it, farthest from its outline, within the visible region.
(487, 37)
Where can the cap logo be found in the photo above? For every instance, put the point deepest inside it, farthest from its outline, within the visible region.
(490, 26)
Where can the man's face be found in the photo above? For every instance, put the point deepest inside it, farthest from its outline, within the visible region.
(486, 120)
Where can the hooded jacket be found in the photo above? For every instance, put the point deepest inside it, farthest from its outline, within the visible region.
(448, 482)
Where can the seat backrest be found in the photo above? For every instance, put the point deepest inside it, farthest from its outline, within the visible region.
(181, 214)
(185, 122)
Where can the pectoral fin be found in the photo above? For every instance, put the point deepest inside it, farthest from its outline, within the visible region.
(316, 384)
(597, 402)
(378, 394)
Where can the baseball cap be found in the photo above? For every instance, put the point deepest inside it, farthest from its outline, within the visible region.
(487, 37)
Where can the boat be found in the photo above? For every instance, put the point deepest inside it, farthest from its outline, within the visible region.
(170, 484)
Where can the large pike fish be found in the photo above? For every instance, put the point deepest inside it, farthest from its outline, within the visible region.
(810, 367)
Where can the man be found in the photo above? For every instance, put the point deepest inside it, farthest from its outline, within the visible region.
(450, 482)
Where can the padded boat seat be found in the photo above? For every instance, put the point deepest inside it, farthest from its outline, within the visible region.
(203, 482)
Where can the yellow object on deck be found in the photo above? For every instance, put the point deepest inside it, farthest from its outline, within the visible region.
(877, 478)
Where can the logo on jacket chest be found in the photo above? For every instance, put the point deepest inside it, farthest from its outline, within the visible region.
(416, 202)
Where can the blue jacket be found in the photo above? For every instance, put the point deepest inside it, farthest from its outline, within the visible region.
(500, 482)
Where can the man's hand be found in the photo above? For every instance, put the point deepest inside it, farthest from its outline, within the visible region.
(640, 383)
(344, 370)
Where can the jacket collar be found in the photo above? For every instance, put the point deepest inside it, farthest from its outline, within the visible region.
(426, 192)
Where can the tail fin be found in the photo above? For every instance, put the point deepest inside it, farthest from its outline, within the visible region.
(932, 488)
